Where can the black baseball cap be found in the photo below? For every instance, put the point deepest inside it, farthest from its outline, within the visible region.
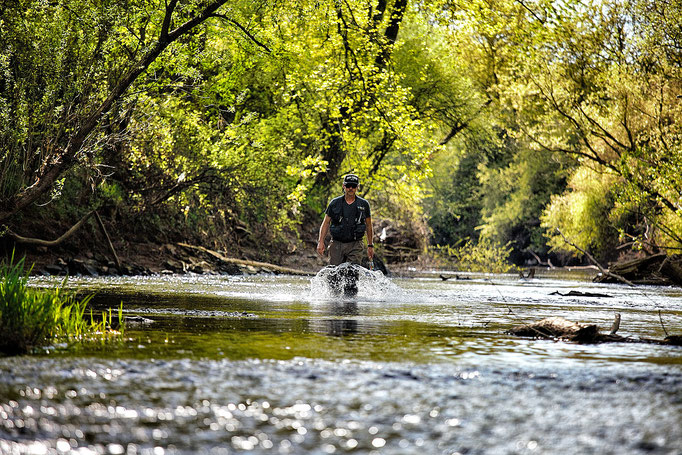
(351, 178)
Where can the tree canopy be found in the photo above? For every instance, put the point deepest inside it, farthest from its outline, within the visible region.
(507, 121)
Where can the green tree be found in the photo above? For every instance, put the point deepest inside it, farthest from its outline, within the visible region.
(606, 98)
(496, 184)
(65, 68)
(575, 87)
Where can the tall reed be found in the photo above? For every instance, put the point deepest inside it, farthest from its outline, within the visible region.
(31, 317)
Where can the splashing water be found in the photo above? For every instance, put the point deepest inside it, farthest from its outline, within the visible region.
(352, 281)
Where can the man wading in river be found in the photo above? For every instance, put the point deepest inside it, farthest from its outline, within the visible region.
(348, 219)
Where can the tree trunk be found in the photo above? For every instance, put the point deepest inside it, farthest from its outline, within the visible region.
(335, 151)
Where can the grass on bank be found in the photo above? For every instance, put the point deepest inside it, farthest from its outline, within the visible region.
(31, 318)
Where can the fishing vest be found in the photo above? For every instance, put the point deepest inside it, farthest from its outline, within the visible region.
(349, 226)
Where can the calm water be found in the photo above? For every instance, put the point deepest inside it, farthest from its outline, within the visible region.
(274, 364)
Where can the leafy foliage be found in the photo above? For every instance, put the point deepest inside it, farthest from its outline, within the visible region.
(578, 87)
(586, 214)
(231, 122)
(482, 256)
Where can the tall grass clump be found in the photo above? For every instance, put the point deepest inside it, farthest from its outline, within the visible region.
(30, 317)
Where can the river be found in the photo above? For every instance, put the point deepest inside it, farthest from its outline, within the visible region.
(275, 364)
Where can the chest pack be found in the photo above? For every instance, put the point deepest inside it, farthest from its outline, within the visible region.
(348, 220)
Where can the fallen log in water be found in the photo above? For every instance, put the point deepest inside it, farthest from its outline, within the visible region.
(558, 328)
(657, 269)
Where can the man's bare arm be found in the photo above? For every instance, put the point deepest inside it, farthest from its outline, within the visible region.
(324, 230)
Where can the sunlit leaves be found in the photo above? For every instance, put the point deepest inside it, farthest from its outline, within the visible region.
(586, 214)
(588, 89)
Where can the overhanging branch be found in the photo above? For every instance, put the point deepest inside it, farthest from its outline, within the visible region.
(244, 31)
(595, 262)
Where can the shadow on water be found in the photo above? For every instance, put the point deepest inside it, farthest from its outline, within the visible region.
(281, 364)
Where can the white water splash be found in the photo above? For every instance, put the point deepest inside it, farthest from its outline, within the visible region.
(371, 284)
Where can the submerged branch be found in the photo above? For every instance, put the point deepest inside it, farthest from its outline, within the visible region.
(663, 326)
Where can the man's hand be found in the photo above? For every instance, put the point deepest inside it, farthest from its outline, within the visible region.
(320, 248)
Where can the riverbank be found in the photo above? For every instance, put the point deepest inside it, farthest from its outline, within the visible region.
(121, 249)
(168, 258)
(129, 253)
(182, 258)
(82, 257)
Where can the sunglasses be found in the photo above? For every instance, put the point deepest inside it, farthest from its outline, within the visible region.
(350, 185)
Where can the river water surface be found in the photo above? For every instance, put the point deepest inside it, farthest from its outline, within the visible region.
(275, 364)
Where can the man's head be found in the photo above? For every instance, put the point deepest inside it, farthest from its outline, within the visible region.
(351, 181)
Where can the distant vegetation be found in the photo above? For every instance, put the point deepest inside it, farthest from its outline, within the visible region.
(230, 123)
(32, 317)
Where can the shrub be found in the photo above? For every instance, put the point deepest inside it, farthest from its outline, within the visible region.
(481, 256)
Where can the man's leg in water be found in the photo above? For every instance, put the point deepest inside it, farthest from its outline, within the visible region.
(354, 252)
(336, 253)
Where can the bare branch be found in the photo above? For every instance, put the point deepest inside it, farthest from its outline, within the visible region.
(605, 133)
(520, 2)
(594, 261)
(616, 324)
(244, 30)
(50, 243)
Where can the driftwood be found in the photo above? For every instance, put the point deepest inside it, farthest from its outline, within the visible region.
(456, 277)
(264, 265)
(556, 327)
(559, 328)
(72, 230)
(659, 269)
